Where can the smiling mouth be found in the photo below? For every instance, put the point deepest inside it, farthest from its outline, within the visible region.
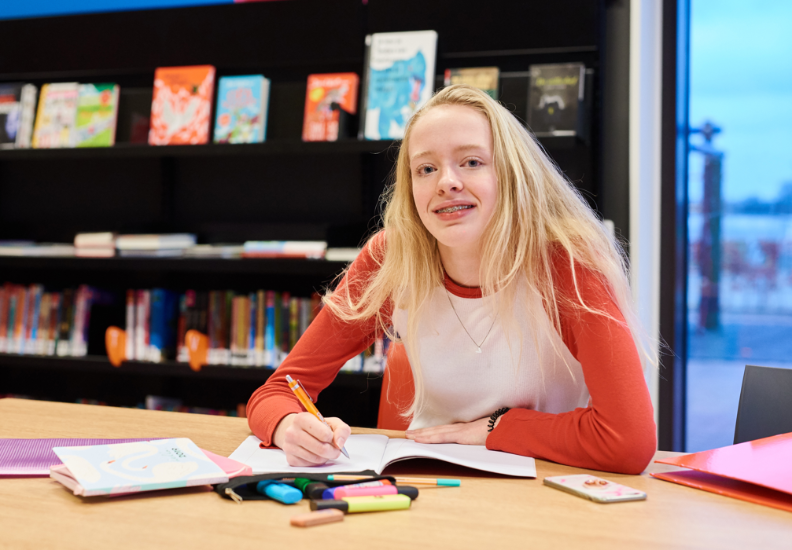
(453, 209)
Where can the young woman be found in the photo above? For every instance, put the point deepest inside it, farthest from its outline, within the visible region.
(511, 299)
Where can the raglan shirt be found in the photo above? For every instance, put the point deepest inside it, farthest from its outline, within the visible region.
(615, 432)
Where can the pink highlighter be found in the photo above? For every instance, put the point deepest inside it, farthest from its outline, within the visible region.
(340, 492)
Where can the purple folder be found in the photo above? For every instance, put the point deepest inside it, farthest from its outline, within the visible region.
(33, 457)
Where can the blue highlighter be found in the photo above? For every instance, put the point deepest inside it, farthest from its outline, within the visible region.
(279, 491)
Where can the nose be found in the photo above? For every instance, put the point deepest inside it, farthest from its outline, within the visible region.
(449, 182)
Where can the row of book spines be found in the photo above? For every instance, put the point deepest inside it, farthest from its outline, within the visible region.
(256, 329)
(34, 322)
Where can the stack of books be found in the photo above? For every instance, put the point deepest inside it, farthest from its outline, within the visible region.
(30, 248)
(155, 246)
(285, 249)
(94, 245)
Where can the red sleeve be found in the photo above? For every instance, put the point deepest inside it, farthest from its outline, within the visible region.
(318, 355)
(616, 432)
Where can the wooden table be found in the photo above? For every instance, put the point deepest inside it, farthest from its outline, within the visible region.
(488, 512)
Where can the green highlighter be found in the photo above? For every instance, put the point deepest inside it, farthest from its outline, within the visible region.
(351, 505)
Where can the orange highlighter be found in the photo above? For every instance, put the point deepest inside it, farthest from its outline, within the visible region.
(307, 403)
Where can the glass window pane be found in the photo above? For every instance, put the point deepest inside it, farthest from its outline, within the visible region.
(740, 206)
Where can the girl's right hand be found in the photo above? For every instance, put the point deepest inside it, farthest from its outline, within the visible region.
(307, 441)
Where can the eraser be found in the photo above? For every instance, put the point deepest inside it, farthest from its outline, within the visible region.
(317, 518)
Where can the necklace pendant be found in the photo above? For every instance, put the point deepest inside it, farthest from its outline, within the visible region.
(478, 350)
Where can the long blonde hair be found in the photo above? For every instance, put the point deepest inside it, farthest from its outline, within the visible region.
(537, 207)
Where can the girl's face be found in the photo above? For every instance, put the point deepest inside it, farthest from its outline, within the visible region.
(454, 185)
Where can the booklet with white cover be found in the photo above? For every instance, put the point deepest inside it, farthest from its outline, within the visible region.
(376, 452)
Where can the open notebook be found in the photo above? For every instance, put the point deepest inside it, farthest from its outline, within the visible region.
(376, 452)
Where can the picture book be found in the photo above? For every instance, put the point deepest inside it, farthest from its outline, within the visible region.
(400, 76)
(241, 114)
(376, 452)
(483, 78)
(134, 467)
(17, 106)
(328, 98)
(97, 111)
(55, 118)
(554, 99)
(182, 105)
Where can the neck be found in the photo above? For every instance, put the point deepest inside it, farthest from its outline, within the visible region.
(463, 267)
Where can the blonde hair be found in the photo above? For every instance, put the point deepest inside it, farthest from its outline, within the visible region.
(536, 207)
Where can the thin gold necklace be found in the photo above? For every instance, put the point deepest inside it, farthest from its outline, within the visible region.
(478, 346)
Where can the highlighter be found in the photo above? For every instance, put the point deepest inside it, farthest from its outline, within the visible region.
(279, 491)
(311, 489)
(351, 505)
(349, 491)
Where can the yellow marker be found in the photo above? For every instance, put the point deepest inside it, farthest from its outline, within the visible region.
(307, 403)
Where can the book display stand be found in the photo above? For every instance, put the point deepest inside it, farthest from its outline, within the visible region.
(281, 189)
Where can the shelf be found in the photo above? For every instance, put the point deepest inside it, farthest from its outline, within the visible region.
(361, 381)
(270, 266)
(275, 147)
(133, 151)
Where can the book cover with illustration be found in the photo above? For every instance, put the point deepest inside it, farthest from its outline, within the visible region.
(326, 96)
(400, 76)
(17, 106)
(182, 105)
(241, 114)
(483, 78)
(554, 99)
(97, 111)
(56, 114)
(137, 466)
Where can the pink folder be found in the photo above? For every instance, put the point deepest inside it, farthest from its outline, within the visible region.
(755, 471)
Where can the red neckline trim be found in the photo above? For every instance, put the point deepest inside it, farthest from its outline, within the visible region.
(460, 291)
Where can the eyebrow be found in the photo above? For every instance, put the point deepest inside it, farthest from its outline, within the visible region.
(456, 149)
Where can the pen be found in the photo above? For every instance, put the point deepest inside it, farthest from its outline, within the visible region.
(439, 482)
(307, 403)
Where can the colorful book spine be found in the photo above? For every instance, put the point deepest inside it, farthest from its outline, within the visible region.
(63, 347)
(142, 318)
(130, 326)
(4, 298)
(271, 344)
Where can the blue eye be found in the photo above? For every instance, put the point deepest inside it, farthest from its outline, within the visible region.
(473, 163)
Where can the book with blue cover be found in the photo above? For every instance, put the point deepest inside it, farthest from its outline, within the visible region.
(241, 114)
(136, 467)
(400, 78)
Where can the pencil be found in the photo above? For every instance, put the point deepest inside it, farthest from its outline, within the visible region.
(437, 482)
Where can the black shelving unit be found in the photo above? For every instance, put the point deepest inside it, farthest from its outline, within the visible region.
(282, 189)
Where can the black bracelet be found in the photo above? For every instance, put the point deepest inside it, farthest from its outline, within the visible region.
(495, 416)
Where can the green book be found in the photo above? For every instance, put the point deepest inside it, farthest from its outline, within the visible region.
(97, 111)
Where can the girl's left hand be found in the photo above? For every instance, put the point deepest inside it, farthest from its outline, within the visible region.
(464, 433)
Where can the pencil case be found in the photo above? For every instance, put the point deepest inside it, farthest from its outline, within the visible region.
(244, 487)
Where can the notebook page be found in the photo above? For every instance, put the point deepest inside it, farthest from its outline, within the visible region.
(472, 456)
(365, 453)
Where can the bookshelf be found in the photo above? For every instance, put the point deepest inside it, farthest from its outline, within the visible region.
(281, 189)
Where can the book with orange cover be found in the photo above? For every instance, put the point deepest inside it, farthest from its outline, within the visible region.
(755, 471)
(327, 95)
(182, 105)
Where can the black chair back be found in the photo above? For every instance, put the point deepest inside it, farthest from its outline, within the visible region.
(765, 404)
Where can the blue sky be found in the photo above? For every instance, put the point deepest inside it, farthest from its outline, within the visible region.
(741, 79)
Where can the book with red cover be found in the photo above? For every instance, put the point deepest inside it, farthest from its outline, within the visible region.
(755, 471)
(182, 105)
(326, 96)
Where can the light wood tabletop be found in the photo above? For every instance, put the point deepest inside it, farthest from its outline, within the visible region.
(486, 512)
